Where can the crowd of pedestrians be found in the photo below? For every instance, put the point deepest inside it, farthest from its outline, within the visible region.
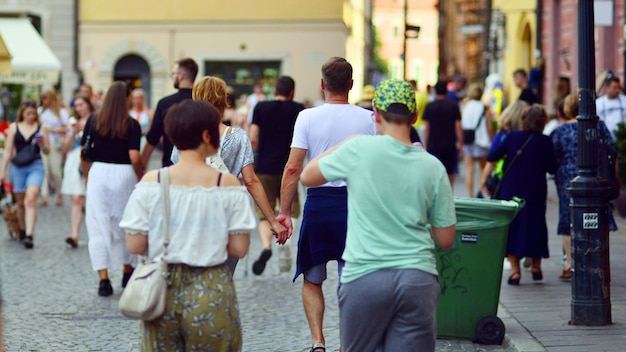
(379, 178)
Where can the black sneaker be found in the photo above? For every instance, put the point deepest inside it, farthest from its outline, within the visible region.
(22, 236)
(105, 288)
(28, 242)
(259, 265)
(126, 277)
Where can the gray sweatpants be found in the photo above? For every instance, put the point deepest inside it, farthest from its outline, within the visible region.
(389, 311)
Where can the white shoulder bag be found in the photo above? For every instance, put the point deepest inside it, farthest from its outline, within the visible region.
(144, 296)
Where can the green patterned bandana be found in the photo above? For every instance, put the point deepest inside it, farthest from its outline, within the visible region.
(394, 92)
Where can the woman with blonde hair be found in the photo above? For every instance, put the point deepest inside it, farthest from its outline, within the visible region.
(511, 117)
(116, 167)
(510, 120)
(55, 118)
(236, 153)
(73, 181)
(140, 112)
(528, 155)
(28, 137)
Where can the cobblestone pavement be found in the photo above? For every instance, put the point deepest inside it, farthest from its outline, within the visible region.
(50, 301)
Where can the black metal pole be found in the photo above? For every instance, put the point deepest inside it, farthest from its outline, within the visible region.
(406, 15)
(624, 88)
(591, 293)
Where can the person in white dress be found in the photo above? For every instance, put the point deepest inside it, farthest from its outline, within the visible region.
(210, 217)
(140, 112)
(55, 118)
(73, 181)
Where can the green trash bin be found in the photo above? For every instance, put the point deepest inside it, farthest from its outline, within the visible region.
(470, 272)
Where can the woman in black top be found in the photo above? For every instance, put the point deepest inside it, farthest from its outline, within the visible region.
(115, 169)
(28, 137)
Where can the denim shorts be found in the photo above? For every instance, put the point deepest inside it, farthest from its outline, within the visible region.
(318, 273)
(29, 175)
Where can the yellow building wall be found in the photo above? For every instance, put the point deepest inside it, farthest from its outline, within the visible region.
(302, 50)
(520, 31)
(208, 10)
(302, 34)
(356, 45)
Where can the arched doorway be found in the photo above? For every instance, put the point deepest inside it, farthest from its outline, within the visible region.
(135, 69)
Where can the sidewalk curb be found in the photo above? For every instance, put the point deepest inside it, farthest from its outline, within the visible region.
(517, 337)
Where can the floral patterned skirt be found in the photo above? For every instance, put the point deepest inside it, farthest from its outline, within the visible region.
(201, 313)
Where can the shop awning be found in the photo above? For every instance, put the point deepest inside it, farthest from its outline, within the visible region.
(5, 59)
(31, 59)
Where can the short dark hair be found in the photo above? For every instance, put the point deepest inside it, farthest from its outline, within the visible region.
(186, 121)
(189, 68)
(520, 71)
(441, 88)
(611, 79)
(534, 119)
(397, 119)
(285, 85)
(337, 75)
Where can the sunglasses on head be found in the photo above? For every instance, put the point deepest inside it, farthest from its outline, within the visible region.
(30, 103)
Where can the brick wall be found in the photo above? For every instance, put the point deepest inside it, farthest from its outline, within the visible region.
(559, 45)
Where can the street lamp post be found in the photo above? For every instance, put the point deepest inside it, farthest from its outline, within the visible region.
(410, 32)
(406, 15)
(591, 293)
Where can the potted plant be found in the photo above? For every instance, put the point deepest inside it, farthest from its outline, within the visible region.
(620, 143)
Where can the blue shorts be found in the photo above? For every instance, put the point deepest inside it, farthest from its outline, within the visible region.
(29, 175)
(318, 273)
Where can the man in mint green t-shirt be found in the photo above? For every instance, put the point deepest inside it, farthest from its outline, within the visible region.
(400, 205)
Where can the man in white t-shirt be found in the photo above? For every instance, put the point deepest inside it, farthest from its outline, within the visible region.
(611, 107)
(325, 217)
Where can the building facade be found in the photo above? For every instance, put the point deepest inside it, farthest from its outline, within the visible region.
(422, 53)
(55, 20)
(244, 42)
(463, 35)
(559, 44)
(517, 20)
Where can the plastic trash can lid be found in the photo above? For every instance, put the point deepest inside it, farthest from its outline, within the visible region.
(477, 213)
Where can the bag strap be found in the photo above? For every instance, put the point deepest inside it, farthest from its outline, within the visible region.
(517, 154)
(480, 119)
(219, 152)
(164, 180)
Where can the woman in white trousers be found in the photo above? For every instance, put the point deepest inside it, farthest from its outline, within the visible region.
(113, 138)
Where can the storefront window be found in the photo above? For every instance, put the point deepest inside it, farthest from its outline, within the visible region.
(244, 75)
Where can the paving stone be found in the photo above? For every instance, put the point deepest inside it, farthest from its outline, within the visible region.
(50, 301)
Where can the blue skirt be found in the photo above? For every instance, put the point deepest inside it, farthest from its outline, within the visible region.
(324, 227)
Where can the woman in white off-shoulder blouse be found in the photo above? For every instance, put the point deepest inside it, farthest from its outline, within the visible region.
(211, 216)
